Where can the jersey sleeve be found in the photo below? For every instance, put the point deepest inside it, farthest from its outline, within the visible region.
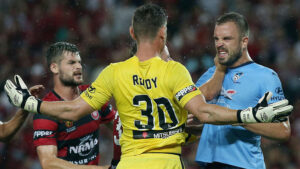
(271, 82)
(45, 130)
(100, 90)
(205, 77)
(181, 84)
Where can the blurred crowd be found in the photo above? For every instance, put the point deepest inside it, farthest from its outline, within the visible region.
(100, 29)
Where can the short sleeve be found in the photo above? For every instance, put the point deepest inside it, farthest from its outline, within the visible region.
(205, 77)
(100, 90)
(272, 83)
(45, 130)
(181, 84)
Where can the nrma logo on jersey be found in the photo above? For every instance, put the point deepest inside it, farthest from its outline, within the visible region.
(85, 147)
(228, 93)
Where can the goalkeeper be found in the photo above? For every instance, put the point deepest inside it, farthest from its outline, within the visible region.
(152, 97)
(234, 147)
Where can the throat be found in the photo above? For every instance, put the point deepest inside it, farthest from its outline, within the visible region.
(67, 93)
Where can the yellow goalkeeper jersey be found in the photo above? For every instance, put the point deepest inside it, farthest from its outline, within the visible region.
(150, 97)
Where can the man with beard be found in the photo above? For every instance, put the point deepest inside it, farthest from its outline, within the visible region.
(238, 146)
(63, 144)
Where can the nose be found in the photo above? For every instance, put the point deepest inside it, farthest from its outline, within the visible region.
(78, 65)
(219, 43)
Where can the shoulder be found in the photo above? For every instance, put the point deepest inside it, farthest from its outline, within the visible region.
(122, 63)
(83, 87)
(205, 76)
(263, 71)
(174, 65)
(41, 116)
(50, 97)
(211, 69)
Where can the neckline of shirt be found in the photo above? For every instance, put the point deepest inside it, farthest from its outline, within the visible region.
(146, 61)
(244, 64)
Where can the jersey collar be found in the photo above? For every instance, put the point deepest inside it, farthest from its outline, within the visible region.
(244, 64)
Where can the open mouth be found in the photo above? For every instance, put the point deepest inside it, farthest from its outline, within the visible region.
(222, 53)
(77, 74)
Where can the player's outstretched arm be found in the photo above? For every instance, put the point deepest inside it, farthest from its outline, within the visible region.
(209, 113)
(275, 131)
(66, 110)
(213, 86)
(10, 128)
(49, 160)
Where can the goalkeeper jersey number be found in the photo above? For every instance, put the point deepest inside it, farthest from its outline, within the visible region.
(150, 97)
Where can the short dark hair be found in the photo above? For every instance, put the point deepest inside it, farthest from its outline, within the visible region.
(236, 18)
(55, 51)
(147, 20)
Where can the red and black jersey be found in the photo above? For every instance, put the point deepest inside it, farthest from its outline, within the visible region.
(78, 141)
(117, 132)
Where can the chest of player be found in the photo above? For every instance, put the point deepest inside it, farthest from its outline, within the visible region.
(239, 90)
(75, 129)
(78, 142)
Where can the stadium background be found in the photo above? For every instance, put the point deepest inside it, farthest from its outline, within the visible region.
(100, 29)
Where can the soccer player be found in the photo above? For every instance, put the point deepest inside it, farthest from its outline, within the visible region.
(117, 125)
(234, 146)
(152, 97)
(10, 128)
(62, 144)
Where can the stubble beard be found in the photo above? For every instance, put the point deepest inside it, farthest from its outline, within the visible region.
(69, 81)
(233, 57)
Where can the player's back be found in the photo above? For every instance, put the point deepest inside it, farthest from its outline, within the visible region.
(145, 94)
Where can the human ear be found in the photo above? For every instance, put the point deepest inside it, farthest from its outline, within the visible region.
(54, 68)
(245, 41)
(131, 31)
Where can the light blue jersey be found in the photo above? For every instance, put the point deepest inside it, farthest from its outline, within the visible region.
(243, 86)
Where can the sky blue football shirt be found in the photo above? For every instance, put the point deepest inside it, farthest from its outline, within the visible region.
(243, 86)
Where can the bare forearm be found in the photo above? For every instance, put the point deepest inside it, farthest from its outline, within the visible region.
(60, 110)
(212, 87)
(274, 131)
(218, 115)
(10, 128)
(209, 113)
(66, 110)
